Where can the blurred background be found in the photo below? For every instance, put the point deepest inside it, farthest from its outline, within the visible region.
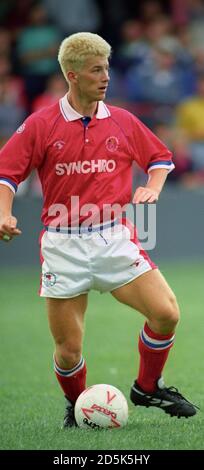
(157, 72)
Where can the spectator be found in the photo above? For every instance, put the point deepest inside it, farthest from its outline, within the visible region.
(114, 13)
(17, 15)
(11, 113)
(134, 47)
(190, 118)
(198, 61)
(71, 16)
(157, 29)
(14, 84)
(37, 47)
(5, 42)
(178, 143)
(55, 89)
(150, 9)
(159, 82)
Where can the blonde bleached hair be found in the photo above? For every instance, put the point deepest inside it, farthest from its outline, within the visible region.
(75, 49)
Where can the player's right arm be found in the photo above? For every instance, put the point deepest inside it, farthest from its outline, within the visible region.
(8, 223)
(21, 154)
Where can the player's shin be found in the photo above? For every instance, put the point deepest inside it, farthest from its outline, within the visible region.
(154, 349)
(72, 381)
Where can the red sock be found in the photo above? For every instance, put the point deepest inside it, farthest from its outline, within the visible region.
(154, 349)
(72, 381)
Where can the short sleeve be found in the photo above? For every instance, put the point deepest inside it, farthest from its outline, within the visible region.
(23, 152)
(148, 151)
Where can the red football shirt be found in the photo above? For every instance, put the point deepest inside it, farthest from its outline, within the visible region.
(91, 161)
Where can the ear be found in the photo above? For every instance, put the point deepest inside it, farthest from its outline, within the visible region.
(72, 77)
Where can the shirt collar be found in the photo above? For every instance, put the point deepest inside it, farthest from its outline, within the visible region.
(70, 114)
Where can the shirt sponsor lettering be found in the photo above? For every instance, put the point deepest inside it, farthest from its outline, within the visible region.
(86, 166)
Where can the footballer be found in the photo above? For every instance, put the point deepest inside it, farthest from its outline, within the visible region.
(83, 150)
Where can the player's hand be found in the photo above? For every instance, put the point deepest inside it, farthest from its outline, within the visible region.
(144, 194)
(8, 228)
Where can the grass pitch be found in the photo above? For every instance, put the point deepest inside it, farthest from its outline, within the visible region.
(31, 402)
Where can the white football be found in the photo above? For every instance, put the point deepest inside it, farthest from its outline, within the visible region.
(101, 406)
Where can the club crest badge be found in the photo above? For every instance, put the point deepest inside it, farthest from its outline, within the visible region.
(112, 143)
(49, 279)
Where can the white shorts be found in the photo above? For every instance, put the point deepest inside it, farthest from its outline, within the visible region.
(100, 260)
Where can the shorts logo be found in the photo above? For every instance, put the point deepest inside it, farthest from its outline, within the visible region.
(21, 128)
(136, 264)
(59, 144)
(112, 143)
(49, 279)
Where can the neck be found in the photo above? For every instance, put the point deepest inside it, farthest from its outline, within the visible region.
(82, 106)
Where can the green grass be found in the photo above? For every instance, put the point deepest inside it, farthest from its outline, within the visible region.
(31, 402)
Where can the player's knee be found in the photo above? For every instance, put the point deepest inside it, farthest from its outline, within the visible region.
(169, 313)
(68, 355)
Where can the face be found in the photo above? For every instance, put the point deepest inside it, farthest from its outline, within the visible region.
(91, 81)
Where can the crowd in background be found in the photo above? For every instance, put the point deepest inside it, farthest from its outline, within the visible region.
(157, 67)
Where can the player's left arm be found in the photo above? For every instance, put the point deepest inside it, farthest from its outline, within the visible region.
(150, 193)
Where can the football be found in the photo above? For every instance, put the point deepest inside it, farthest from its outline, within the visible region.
(101, 406)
